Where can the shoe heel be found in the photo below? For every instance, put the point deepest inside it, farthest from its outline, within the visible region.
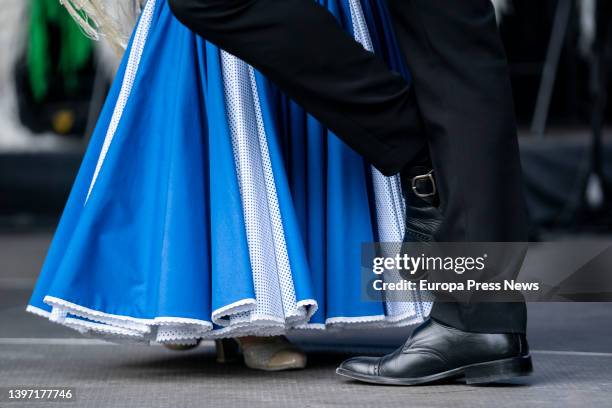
(227, 351)
(498, 370)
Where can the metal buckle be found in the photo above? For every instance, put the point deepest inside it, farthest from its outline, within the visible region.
(428, 176)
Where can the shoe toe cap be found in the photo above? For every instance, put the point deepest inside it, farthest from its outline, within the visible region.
(361, 365)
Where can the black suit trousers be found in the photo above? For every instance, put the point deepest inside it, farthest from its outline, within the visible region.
(458, 110)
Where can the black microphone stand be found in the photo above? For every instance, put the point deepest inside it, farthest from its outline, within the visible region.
(595, 210)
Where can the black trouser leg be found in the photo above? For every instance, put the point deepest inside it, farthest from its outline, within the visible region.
(303, 50)
(462, 91)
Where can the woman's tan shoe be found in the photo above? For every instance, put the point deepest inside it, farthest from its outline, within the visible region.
(263, 353)
(271, 353)
(182, 347)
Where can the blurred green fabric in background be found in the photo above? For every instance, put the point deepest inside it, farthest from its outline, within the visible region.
(74, 48)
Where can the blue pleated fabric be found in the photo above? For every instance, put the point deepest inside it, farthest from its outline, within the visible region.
(210, 205)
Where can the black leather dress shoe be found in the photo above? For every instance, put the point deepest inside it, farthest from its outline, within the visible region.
(435, 352)
(421, 197)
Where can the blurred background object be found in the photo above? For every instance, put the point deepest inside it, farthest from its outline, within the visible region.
(55, 76)
(53, 81)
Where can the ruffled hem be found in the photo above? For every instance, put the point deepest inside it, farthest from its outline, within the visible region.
(184, 331)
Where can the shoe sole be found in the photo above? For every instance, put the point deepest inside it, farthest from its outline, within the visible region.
(283, 367)
(481, 373)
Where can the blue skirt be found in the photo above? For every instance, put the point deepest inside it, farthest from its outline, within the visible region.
(210, 205)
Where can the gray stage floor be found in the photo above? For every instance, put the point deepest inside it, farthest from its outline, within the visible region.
(572, 346)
